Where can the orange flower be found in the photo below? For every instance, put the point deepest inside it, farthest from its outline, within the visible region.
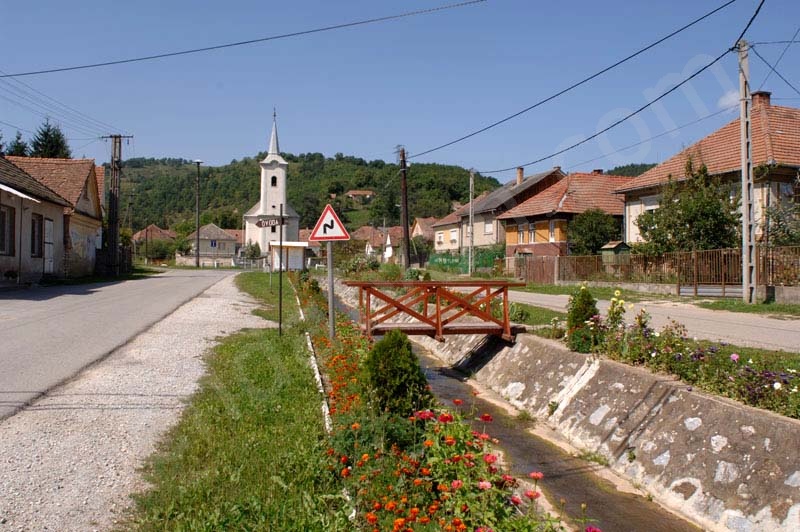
(355, 426)
(371, 518)
(428, 443)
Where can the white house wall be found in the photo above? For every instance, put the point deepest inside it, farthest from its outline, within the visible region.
(83, 237)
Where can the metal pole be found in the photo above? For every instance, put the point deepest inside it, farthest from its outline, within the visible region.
(404, 202)
(331, 314)
(280, 276)
(470, 267)
(197, 216)
(748, 229)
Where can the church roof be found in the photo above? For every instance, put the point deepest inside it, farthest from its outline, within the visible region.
(288, 213)
(274, 154)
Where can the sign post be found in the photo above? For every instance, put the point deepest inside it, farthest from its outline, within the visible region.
(329, 228)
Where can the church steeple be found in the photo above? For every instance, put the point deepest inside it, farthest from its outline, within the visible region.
(273, 139)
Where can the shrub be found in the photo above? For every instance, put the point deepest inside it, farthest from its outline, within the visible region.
(394, 376)
(391, 272)
(582, 308)
(412, 274)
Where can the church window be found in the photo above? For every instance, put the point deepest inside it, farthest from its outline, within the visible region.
(273, 228)
(274, 181)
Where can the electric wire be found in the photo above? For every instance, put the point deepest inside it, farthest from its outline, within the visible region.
(249, 41)
(49, 110)
(574, 85)
(643, 107)
(45, 115)
(775, 42)
(785, 49)
(772, 69)
(26, 88)
(629, 146)
(18, 128)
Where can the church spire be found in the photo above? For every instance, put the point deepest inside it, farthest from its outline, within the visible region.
(273, 139)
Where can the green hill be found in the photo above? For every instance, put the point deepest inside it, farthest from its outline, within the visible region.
(162, 191)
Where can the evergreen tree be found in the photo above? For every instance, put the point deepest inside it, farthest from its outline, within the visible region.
(50, 142)
(18, 146)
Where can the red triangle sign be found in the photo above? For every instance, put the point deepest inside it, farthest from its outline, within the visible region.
(329, 227)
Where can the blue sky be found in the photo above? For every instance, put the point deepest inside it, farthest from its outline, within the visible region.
(419, 81)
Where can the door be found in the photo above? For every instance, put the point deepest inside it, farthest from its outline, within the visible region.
(49, 262)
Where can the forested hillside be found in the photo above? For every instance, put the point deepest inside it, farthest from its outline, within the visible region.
(162, 191)
(631, 170)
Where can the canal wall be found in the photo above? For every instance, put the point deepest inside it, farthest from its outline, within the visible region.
(721, 464)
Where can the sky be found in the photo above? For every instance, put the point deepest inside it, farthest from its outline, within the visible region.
(419, 81)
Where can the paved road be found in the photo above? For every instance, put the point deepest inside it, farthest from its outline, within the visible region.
(742, 329)
(48, 334)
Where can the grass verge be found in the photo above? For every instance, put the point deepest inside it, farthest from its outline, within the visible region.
(248, 451)
(737, 305)
(265, 288)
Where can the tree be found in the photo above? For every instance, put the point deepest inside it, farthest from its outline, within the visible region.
(783, 222)
(632, 169)
(50, 142)
(693, 215)
(18, 147)
(591, 230)
(252, 251)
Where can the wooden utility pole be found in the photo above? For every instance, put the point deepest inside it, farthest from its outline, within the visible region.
(748, 227)
(404, 207)
(112, 239)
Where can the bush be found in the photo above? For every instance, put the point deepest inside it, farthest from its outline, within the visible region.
(582, 308)
(391, 272)
(412, 274)
(394, 376)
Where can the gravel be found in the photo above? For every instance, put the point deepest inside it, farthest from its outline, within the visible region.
(70, 460)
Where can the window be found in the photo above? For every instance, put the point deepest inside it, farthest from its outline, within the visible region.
(274, 181)
(6, 230)
(558, 231)
(650, 203)
(453, 235)
(531, 233)
(488, 227)
(274, 229)
(440, 236)
(520, 234)
(37, 225)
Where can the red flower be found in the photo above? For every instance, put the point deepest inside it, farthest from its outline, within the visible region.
(458, 402)
(515, 500)
(487, 418)
(371, 518)
(490, 458)
(536, 475)
(445, 417)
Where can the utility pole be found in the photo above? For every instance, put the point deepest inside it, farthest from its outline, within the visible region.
(404, 207)
(748, 228)
(198, 162)
(470, 266)
(113, 202)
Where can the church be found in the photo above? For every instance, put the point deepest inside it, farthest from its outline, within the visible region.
(279, 244)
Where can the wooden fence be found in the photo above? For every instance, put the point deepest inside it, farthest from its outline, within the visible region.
(719, 270)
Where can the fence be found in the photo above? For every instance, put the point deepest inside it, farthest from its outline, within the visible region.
(719, 270)
(483, 258)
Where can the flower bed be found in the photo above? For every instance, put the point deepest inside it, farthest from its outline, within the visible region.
(759, 378)
(427, 470)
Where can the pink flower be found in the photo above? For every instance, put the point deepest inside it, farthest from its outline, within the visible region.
(445, 417)
(484, 485)
(532, 495)
(456, 484)
(483, 436)
(592, 529)
(490, 458)
(424, 414)
(515, 500)
(536, 475)
(734, 357)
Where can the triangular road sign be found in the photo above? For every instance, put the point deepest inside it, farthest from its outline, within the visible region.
(329, 227)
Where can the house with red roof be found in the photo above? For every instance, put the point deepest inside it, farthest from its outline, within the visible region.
(153, 232)
(373, 239)
(423, 227)
(31, 227)
(540, 225)
(775, 133)
(77, 181)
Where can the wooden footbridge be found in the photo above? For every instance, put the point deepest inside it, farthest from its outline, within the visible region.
(438, 308)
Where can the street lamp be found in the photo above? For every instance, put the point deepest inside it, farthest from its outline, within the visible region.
(198, 162)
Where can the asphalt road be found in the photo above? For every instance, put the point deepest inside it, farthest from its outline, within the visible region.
(737, 328)
(48, 334)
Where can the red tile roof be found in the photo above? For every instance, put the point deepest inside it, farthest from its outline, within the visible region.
(67, 177)
(153, 232)
(359, 193)
(426, 226)
(100, 175)
(455, 216)
(373, 235)
(238, 234)
(574, 194)
(304, 234)
(395, 234)
(775, 134)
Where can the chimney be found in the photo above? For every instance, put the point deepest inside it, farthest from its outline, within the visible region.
(597, 171)
(556, 168)
(761, 98)
(520, 175)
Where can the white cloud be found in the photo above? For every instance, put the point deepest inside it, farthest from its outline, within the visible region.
(728, 99)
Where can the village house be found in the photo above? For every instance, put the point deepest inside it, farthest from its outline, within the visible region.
(153, 232)
(423, 227)
(775, 132)
(360, 196)
(78, 181)
(31, 227)
(539, 225)
(217, 248)
(373, 238)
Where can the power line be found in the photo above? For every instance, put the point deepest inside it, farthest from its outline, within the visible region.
(574, 85)
(17, 127)
(772, 68)
(785, 49)
(775, 42)
(643, 107)
(71, 110)
(629, 146)
(48, 109)
(45, 115)
(247, 42)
